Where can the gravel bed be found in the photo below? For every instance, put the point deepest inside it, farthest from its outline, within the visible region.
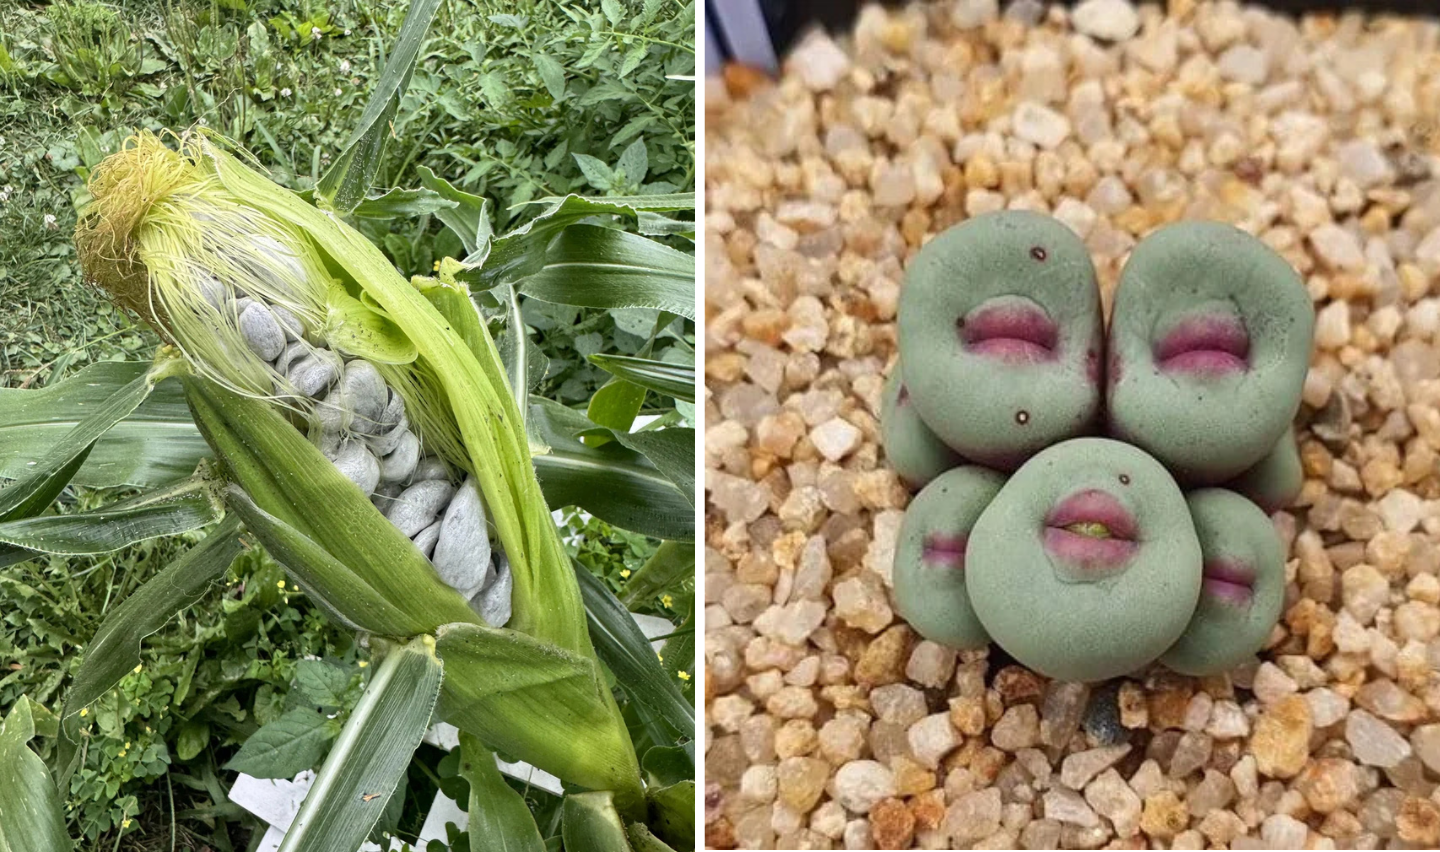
(829, 723)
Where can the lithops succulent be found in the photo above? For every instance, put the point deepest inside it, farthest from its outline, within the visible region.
(929, 570)
(1275, 481)
(1243, 590)
(1000, 328)
(915, 452)
(1209, 344)
(1086, 564)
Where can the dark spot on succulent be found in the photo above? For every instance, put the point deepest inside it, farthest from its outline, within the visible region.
(904, 396)
(1022, 417)
(1038, 252)
(1124, 479)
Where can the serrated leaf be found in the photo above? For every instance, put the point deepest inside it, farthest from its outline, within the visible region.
(322, 684)
(287, 746)
(614, 12)
(552, 74)
(595, 171)
(635, 162)
(633, 58)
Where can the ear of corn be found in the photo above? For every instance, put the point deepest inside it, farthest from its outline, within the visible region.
(415, 357)
(140, 240)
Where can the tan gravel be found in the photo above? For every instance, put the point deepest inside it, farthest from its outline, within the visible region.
(829, 723)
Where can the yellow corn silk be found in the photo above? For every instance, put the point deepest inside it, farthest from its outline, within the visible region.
(167, 232)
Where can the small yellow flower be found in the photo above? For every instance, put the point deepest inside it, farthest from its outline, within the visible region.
(625, 572)
(436, 267)
(84, 711)
(668, 602)
(127, 745)
(295, 586)
(125, 823)
(684, 675)
(281, 584)
(363, 664)
(139, 667)
(659, 656)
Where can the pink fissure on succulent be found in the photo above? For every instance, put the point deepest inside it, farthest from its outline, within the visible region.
(1091, 507)
(945, 551)
(1229, 581)
(1012, 333)
(1214, 344)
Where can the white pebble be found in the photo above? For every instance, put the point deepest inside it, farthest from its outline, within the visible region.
(1108, 20)
(1040, 125)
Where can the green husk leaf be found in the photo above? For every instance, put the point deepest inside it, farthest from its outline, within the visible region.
(643, 840)
(539, 703)
(590, 822)
(359, 330)
(347, 598)
(332, 537)
(672, 814)
(471, 378)
(369, 759)
(497, 813)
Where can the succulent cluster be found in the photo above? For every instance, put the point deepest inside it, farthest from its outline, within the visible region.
(1088, 557)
